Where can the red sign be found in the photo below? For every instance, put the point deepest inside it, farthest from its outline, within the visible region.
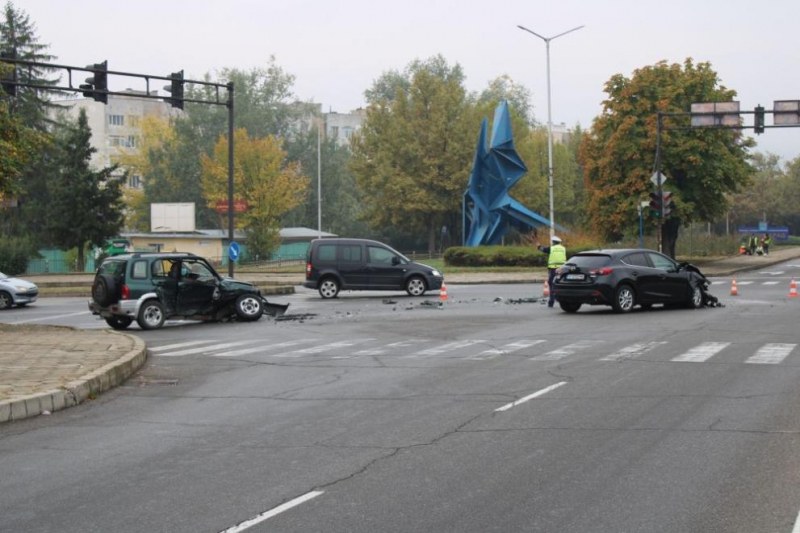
(239, 206)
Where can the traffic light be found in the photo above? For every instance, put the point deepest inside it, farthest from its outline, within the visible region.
(7, 80)
(758, 121)
(655, 204)
(175, 89)
(666, 202)
(96, 86)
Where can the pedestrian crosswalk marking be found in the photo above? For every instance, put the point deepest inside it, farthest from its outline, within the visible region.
(450, 346)
(265, 347)
(633, 351)
(322, 348)
(767, 354)
(202, 349)
(386, 347)
(771, 354)
(177, 345)
(564, 351)
(702, 352)
(505, 349)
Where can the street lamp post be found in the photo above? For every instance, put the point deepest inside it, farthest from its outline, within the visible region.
(549, 119)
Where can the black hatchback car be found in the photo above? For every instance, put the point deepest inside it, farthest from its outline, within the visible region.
(627, 278)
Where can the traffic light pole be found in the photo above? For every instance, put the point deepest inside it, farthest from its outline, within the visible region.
(96, 87)
(659, 183)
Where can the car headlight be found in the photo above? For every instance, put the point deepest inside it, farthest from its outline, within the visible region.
(22, 288)
(436, 273)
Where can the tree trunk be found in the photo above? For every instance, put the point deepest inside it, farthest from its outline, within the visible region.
(80, 266)
(669, 236)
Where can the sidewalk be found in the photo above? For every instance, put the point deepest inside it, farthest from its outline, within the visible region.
(48, 368)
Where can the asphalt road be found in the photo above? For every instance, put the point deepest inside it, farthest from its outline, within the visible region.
(381, 412)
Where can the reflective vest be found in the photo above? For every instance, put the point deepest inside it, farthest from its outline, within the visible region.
(557, 257)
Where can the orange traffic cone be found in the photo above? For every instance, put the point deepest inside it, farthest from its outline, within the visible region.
(793, 289)
(734, 290)
(443, 293)
(546, 290)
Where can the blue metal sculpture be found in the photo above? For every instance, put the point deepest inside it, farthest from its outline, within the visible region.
(488, 210)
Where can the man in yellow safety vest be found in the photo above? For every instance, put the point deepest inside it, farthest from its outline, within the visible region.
(556, 258)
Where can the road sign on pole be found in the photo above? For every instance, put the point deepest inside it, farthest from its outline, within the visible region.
(233, 251)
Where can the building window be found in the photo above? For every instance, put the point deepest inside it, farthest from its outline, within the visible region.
(116, 120)
(131, 141)
(135, 182)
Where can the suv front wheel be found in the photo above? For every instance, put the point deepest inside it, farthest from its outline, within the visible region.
(249, 307)
(151, 315)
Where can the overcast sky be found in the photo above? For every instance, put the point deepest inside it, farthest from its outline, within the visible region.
(336, 49)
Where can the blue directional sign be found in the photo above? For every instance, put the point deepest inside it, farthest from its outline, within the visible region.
(233, 251)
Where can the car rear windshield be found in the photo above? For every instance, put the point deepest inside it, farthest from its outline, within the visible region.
(590, 260)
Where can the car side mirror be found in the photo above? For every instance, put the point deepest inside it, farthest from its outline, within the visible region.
(395, 261)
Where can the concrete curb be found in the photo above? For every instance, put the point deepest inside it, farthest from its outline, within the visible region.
(77, 391)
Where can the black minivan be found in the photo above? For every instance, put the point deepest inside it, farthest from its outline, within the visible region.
(360, 264)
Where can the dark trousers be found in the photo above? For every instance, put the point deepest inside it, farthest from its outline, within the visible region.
(551, 275)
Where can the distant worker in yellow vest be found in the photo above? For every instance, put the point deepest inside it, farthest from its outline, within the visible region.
(556, 258)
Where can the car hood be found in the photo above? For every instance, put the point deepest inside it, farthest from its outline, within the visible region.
(424, 266)
(230, 284)
(17, 283)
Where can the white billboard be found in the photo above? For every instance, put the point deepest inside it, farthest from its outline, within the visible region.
(172, 217)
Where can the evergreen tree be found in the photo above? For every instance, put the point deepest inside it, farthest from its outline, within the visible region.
(85, 206)
(18, 39)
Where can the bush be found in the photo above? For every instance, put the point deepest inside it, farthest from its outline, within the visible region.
(15, 253)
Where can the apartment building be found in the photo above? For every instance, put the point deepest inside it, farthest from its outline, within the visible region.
(115, 126)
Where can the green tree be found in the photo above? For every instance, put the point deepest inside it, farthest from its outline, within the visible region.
(18, 146)
(85, 206)
(703, 165)
(267, 184)
(412, 156)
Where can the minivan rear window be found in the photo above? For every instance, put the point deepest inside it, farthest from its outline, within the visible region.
(326, 252)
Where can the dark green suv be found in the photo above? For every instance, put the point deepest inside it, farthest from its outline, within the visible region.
(153, 287)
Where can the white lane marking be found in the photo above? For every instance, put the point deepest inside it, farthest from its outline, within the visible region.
(771, 354)
(505, 349)
(247, 524)
(177, 345)
(450, 346)
(536, 394)
(51, 317)
(770, 282)
(263, 348)
(383, 349)
(744, 282)
(564, 351)
(202, 349)
(633, 351)
(702, 352)
(796, 528)
(772, 272)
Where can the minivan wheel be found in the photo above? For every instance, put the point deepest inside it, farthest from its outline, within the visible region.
(415, 286)
(624, 299)
(328, 288)
(151, 315)
(249, 308)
